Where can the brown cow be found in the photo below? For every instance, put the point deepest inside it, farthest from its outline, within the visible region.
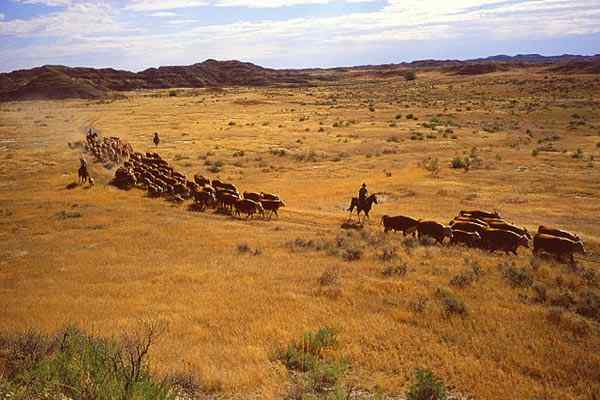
(204, 200)
(269, 196)
(434, 229)
(558, 232)
(248, 207)
(557, 246)
(468, 219)
(505, 226)
(471, 239)
(479, 214)
(469, 227)
(400, 223)
(507, 241)
(271, 206)
(201, 180)
(253, 196)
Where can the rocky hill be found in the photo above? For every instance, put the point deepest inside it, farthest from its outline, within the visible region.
(60, 82)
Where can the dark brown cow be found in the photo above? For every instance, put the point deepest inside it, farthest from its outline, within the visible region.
(248, 207)
(557, 246)
(545, 230)
(204, 200)
(469, 227)
(507, 241)
(253, 196)
(471, 239)
(201, 180)
(229, 186)
(228, 200)
(271, 206)
(434, 229)
(479, 214)
(468, 219)
(510, 227)
(400, 223)
(269, 196)
(216, 183)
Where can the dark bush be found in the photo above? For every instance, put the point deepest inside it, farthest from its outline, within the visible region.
(395, 270)
(450, 303)
(589, 305)
(426, 386)
(72, 364)
(459, 162)
(518, 277)
(410, 75)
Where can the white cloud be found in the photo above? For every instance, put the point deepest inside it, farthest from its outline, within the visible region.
(87, 28)
(77, 20)
(1, 16)
(155, 5)
(163, 14)
(182, 21)
(52, 3)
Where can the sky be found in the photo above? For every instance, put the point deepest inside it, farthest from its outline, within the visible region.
(139, 34)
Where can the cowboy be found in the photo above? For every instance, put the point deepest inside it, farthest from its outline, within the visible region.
(83, 162)
(363, 193)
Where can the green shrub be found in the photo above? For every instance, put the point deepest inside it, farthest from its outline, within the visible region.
(518, 277)
(72, 364)
(450, 303)
(307, 357)
(306, 353)
(589, 305)
(426, 386)
(459, 162)
(410, 75)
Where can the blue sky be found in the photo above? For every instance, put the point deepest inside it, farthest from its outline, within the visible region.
(137, 34)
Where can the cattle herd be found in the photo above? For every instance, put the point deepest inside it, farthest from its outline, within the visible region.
(487, 230)
(476, 228)
(152, 173)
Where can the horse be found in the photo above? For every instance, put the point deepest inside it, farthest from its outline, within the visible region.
(84, 174)
(364, 207)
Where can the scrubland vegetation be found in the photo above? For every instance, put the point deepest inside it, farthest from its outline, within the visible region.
(296, 307)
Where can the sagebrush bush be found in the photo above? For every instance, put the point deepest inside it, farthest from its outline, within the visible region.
(395, 270)
(72, 364)
(426, 386)
(518, 277)
(450, 303)
(307, 356)
(410, 75)
(460, 163)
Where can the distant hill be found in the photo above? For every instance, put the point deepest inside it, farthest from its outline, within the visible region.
(60, 82)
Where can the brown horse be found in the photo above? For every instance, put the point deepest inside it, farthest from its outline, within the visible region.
(84, 174)
(365, 206)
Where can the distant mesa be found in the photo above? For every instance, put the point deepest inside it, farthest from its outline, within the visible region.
(52, 82)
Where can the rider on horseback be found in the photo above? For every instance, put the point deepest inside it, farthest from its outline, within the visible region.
(363, 193)
(83, 162)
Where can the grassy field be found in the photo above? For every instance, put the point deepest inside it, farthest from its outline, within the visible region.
(102, 258)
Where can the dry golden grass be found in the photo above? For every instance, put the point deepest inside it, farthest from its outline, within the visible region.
(128, 256)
